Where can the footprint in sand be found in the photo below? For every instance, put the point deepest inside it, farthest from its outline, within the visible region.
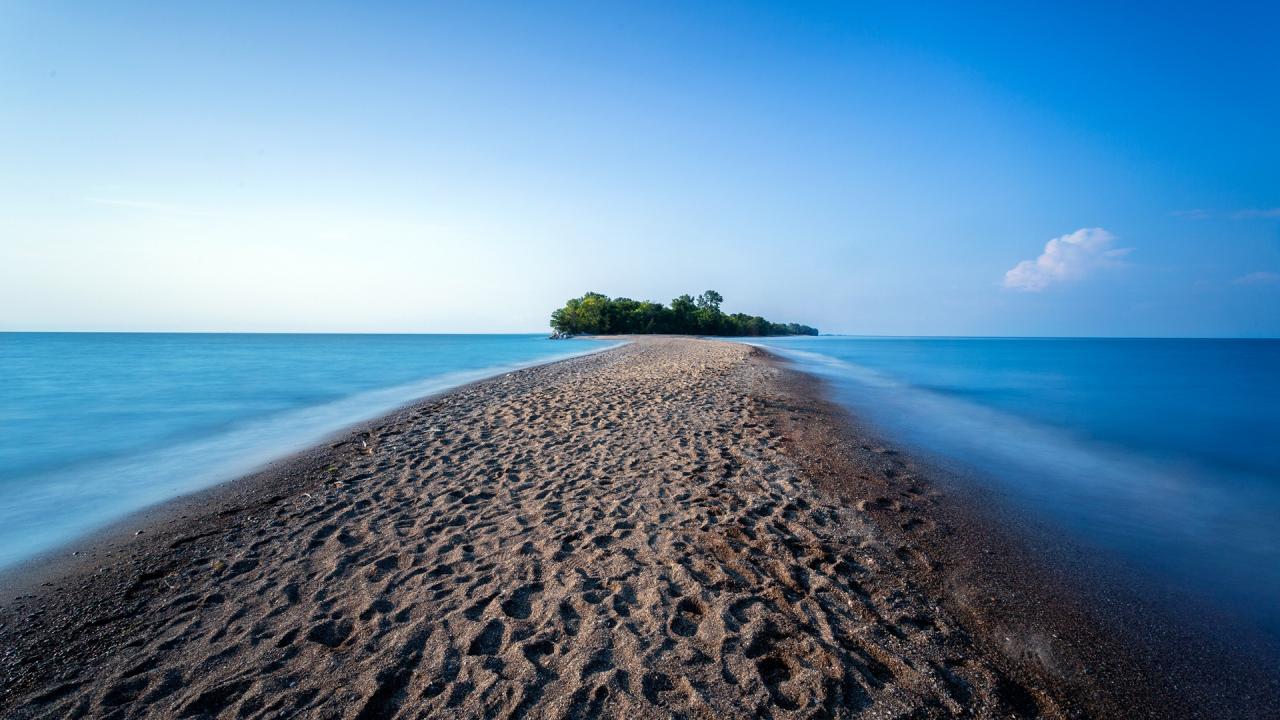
(687, 617)
(519, 605)
(489, 639)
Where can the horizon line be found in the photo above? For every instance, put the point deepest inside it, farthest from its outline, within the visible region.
(867, 336)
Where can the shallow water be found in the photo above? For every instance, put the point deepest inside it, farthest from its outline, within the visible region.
(1162, 454)
(96, 425)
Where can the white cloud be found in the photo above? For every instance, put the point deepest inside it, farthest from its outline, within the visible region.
(1066, 258)
(1261, 277)
(1253, 213)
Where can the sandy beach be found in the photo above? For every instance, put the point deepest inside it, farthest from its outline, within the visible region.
(673, 528)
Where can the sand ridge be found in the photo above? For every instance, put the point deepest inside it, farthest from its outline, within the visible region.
(622, 534)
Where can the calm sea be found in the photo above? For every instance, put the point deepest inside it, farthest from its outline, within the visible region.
(1163, 454)
(95, 426)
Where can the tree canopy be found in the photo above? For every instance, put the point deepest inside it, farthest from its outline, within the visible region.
(596, 314)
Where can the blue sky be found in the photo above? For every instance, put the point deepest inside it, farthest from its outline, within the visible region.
(991, 170)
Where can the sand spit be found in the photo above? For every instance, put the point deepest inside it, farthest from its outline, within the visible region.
(627, 534)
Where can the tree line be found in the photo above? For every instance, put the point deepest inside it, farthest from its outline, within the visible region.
(596, 314)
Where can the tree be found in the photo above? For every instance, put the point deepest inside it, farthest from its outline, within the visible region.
(684, 314)
(710, 300)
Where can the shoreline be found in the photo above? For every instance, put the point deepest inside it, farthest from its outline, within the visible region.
(904, 520)
(25, 576)
(1079, 622)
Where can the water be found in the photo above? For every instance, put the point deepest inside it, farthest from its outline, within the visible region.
(1163, 454)
(95, 426)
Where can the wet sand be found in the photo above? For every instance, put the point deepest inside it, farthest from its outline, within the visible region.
(674, 528)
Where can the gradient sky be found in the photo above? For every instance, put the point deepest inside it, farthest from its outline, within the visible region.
(871, 168)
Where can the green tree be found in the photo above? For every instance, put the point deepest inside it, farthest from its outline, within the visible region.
(598, 314)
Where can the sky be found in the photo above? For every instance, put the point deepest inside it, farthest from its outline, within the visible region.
(867, 168)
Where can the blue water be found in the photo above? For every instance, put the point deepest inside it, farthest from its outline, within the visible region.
(95, 426)
(1161, 454)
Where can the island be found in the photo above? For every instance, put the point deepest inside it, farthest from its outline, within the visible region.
(597, 314)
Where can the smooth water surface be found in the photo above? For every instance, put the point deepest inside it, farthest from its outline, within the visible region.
(96, 425)
(1162, 453)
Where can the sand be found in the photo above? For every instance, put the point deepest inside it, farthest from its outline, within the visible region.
(652, 531)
